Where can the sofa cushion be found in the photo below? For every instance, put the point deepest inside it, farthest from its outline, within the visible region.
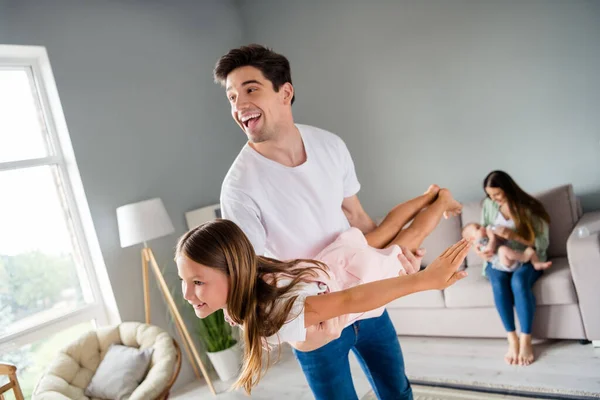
(555, 287)
(556, 284)
(443, 236)
(471, 292)
(561, 205)
(427, 299)
(119, 373)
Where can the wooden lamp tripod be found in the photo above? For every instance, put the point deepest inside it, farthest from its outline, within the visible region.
(141, 222)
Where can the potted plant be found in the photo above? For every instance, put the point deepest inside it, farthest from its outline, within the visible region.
(222, 348)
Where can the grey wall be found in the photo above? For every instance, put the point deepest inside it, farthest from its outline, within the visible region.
(422, 92)
(446, 91)
(145, 118)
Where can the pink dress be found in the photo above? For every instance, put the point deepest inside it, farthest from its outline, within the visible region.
(352, 262)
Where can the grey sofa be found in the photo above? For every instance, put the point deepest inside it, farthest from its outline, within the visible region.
(568, 294)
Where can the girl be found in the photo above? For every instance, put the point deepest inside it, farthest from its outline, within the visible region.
(523, 221)
(275, 301)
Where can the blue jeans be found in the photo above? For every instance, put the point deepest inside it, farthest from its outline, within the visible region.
(375, 344)
(514, 288)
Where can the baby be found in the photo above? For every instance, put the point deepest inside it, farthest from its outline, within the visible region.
(505, 258)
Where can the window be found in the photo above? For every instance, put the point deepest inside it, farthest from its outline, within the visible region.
(52, 277)
(34, 358)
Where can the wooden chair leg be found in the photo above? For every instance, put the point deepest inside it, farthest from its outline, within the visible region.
(16, 387)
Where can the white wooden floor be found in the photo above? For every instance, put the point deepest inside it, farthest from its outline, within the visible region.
(560, 365)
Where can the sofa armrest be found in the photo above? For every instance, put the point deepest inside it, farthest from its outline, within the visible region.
(584, 260)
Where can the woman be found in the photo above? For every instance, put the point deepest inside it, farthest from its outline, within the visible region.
(523, 222)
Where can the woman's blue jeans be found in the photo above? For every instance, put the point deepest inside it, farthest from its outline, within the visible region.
(375, 344)
(514, 289)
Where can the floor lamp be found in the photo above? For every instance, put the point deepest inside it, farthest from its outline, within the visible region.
(140, 223)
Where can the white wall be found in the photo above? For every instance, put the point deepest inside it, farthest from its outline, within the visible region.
(446, 91)
(145, 118)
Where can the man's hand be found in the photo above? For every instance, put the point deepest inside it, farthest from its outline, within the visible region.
(410, 262)
(321, 334)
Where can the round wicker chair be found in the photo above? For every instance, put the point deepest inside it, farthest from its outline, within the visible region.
(74, 366)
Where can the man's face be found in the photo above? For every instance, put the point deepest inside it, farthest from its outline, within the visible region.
(255, 105)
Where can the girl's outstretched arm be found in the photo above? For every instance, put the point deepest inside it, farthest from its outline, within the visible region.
(440, 274)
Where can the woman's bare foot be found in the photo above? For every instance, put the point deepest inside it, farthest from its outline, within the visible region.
(540, 266)
(525, 350)
(512, 355)
(453, 207)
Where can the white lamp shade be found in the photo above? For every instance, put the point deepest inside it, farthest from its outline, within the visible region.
(143, 221)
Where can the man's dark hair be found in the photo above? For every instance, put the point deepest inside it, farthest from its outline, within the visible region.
(275, 67)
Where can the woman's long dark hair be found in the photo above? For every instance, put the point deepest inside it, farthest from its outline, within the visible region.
(522, 206)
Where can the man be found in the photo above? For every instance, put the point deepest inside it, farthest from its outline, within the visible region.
(292, 190)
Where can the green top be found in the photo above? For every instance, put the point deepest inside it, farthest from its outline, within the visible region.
(540, 227)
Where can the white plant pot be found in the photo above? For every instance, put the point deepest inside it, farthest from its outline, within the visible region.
(227, 362)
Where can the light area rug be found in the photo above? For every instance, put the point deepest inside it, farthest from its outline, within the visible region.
(480, 392)
(563, 369)
(439, 393)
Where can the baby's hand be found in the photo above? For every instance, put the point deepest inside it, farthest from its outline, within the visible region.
(488, 251)
(485, 254)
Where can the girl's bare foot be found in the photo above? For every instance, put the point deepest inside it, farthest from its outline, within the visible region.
(453, 207)
(433, 189)
(540, 266)
(525, 350)
(512, 355)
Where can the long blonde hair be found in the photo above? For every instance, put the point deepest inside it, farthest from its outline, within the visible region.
(254, 294)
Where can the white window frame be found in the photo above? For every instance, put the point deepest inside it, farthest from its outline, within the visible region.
(103, 309)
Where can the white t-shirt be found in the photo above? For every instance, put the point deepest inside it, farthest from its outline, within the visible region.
(501, 221)
(291, 212)
(293, 330)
